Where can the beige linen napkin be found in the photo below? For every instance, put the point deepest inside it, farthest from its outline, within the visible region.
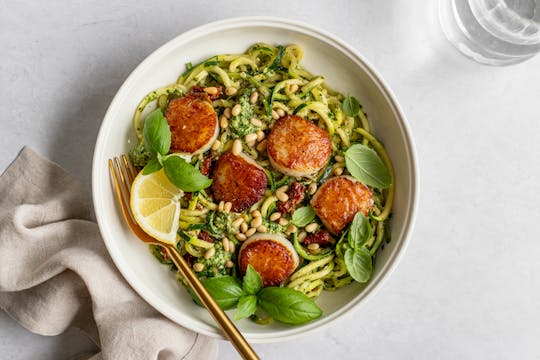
(56, 273)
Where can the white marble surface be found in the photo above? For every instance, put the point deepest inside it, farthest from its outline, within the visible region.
(469, 285)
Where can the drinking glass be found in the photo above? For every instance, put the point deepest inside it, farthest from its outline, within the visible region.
(493, 32)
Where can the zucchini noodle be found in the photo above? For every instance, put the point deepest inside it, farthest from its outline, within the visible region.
(281, 86)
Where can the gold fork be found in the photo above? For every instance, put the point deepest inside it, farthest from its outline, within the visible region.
(122, 175)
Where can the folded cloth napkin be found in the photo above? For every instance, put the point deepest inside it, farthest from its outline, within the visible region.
(56, 273)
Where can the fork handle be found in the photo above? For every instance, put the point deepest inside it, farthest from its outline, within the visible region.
(230, 330)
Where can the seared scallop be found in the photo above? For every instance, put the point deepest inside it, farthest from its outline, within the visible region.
(239, 180)
(193, 123)
(272, 255)
(338, 200)
(297, 147)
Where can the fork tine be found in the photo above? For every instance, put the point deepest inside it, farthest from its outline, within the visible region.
(123, 181)
(119, 193)
(130, 171)
(115, 172)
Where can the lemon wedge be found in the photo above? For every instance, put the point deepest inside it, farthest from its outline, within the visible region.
(155, 203)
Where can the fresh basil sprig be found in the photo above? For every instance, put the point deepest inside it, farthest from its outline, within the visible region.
(247, 305)
(364, 164)
(303, 216)
(282, 304)
(226, 290)
(357, 257)
(288, 305)
(351, 106)
(184, 175)
(252, 281)
(156, 133)
(157, 139)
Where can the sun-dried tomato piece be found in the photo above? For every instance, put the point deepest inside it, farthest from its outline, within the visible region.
(203, 235)
(296, 194)
(322, 238)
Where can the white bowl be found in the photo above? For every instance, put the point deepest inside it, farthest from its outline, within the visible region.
(345, 70)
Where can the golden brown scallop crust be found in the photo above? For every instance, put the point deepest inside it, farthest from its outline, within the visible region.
(238, 181)
(339, 199)
(298, 147)
(273, 261)
(193, 123)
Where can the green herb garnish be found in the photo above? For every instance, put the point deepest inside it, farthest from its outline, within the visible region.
(157, 140)
(364, 164)
(282, 304)
(357, 258)
(351, 106)
(303, 216)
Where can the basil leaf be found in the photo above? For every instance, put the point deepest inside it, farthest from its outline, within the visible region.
(246, 307)
(252, 281)
(359, 231)
(156, 133)
(184, 175)
(303, 216)
(351, 106)
(364, 164)
(359, 264)
(226, 290)
(288, 305)
(152, 166)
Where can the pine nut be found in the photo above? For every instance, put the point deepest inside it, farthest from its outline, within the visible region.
(291, 228)
(256, 213)
(243, 227)
(339, 158)
(311, 227)
(256, 222)
(294, 88)
(284, 188)
(229, 264)
(313, 246)
(250, 137)
(227, 112)
(282, 196)
(231, 247)
(227, 207)
(275, 115)
(312, 188)
(216, 145)
(302, 236)
(255, 122)
(230, 91)
(223, 122)
(225, 243)
(221, 205)
(338, 171)
(282, 221)
(209, 253)
(260, 135)
(198, 267)
(236, 147)
(240, 237)
(281, 112)
(250, 232)
(237, 222)
(252, 144)
(211, 90)
(254, 97)
(275, 216)
(262, 229)
(262, 145)
(236, 110)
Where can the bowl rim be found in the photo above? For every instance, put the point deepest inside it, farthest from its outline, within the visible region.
(321, 35)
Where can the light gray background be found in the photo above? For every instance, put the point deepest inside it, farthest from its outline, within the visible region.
(469, 284)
